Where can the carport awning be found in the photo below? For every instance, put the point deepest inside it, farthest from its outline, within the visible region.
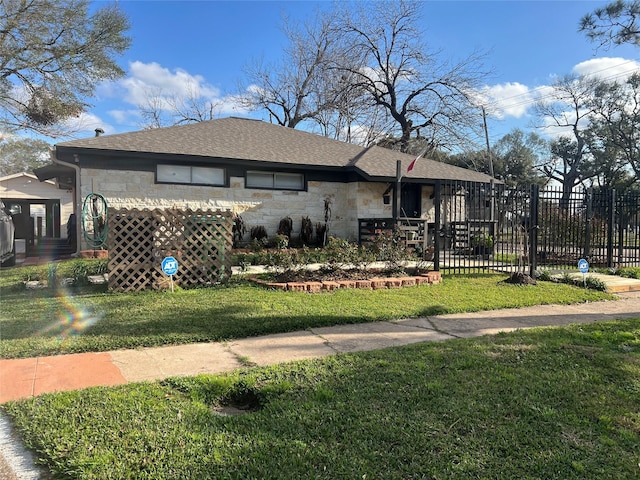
(64, 175)
(50, 171)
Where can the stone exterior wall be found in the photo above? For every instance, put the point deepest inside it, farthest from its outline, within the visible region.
(349, 201)
(428, 204)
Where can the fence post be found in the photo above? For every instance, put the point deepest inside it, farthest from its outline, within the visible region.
(533, 228)
(620, 208)
(587, 233)
(397, 197)
(438, 218)
(610, 224)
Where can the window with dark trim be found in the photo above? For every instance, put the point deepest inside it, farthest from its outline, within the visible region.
(190, 175)
(275, 180)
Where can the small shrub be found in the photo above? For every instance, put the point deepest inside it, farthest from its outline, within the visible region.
(52, 275)
(388, 247)
(281, 241)
(340, 253)
(629, 272)
(239, 229)
(258, 233)
(259, 257)
(32, 273)
(78, 270)
(306, 231)
(567, 278)
(290, 259)
(241, 260)
(590, 282)
(100, 266)
(482, 240)
(595, 283)
(283, 261)
(256, 245)
(79, 273)
(543, 275)
(321, 230)
(315, 255)
(285, 227)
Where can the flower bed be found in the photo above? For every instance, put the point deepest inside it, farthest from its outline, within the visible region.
(374, 283)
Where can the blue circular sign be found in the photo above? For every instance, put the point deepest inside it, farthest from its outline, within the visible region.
(583, 265)
(170, 265)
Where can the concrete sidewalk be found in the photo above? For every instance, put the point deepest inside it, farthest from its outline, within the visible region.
(27, 377)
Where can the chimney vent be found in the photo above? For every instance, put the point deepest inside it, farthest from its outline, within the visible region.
(99, 132)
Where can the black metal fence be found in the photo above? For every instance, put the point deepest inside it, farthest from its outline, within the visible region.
(481, 226)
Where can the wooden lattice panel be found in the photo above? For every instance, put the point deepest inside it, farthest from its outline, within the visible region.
(139, 240)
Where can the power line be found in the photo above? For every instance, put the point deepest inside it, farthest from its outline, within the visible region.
(530, 98)
(543, 87)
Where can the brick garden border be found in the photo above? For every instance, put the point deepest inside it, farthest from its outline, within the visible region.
(371, 283)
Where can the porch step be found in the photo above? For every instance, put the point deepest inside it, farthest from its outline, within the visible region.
(51, 248)
(460, 236)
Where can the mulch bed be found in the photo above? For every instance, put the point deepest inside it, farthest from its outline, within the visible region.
(520, 278)
(318, 281)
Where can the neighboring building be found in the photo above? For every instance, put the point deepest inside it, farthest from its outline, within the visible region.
(45, 207)
(261, 171)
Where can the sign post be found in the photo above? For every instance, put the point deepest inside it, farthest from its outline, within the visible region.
(170, 267)
(583, 266)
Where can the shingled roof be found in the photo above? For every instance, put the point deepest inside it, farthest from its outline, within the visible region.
(254, 140)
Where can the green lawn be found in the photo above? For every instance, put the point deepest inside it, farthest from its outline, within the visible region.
(553, 403)
(44, 322)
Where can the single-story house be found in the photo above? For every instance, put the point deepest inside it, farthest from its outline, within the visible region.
(261, 171)
(45, 208)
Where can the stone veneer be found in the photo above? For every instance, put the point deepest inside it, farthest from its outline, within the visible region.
(349, 201)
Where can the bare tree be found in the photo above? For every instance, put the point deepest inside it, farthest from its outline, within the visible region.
(569, 109)
(421, 94)
(163, 110)
(304, 84)
(614, 24)
(349, 116)
(52, 54)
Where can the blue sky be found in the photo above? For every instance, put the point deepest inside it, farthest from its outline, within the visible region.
(206, 44)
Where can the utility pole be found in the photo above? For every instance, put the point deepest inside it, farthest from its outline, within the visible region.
(492, 187)
(486, 136)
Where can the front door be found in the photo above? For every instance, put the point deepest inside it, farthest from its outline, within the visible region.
(410, 201)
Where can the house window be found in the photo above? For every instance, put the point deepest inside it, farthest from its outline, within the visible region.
(188, 174)
(275, 180)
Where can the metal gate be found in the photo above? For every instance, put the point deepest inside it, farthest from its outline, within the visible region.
(490, 227)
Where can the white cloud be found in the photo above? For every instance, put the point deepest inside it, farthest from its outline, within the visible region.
(511, 99)
(152, 78)
(514, 99)
(124, 116)
(607, 68)
(151, 83)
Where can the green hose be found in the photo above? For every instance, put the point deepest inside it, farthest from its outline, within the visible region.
(94, 220)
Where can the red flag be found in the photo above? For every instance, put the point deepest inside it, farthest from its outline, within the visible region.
(413, 163)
